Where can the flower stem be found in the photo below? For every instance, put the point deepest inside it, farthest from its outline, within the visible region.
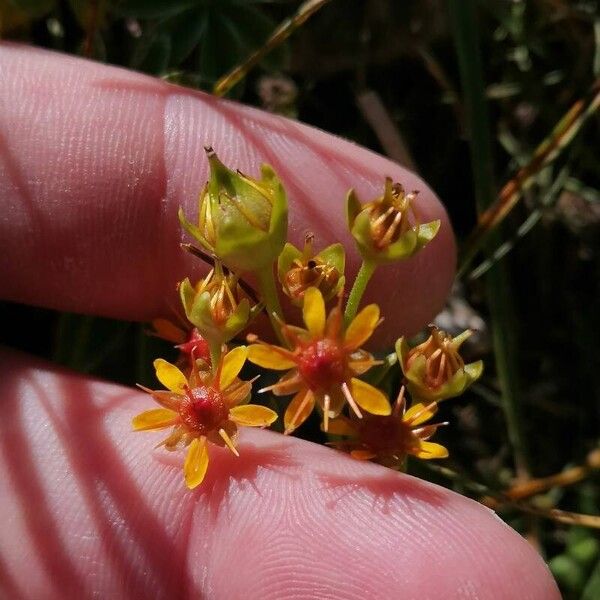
(268, 291)
(215, 354)
(367, 268)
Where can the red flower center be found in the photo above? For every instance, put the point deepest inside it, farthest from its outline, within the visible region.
(322, 364)
(203, 409)
(386, 435)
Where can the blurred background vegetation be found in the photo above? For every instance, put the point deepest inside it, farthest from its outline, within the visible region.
(494, 103)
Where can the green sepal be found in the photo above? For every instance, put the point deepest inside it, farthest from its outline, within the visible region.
(284, 262)
(199, 312)
(193, 230)
(427, 232)
(334, 255)
(250, 216)
(456, 386)
(408, 244)
(187, 293)
(353, 208)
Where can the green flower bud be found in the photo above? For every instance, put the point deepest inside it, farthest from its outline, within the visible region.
(217, 305)
(383, 229)
(435, 370)
(297, 271)
(242, 221)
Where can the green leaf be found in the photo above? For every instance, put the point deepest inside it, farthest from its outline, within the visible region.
(583, 546)
(213, 50)
(249, 29)
(568, 573)
(34, 8)
(186, 31)
(592, 587)
(157, 58)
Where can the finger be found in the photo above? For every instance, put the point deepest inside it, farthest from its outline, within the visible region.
(95, 161)
(90, 511)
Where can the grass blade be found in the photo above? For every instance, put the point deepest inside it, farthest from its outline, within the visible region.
(463, 20)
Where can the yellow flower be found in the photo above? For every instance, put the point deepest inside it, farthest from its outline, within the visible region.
(389, 439)
(435, 370)
(298, 271)
(201, 409)
(323, 360)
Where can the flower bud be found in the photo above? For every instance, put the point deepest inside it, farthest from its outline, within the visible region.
(298, 271)
(243, 221)
(435, 370)
(383, 228)
(217, 305)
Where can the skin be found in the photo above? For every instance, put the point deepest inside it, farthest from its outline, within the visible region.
(94, 162)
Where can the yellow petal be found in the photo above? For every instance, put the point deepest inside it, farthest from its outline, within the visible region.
(231, 366)
(290, 383)
(298, 410)
(369, 398)
(341, 426)
(419, 413)
(196, 463)
(170, 376)
(157, 418)
(171, 442)
(313, 311)
(166, 399)
(253, 415)
(362, 326)
(238, 393)
(270, 357)
(429, 450)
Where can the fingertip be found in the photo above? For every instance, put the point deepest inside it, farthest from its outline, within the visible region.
(93, 189)
(94, 510)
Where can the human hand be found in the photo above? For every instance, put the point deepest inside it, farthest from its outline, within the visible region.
(94, 162)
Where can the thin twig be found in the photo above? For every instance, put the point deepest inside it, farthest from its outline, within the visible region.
(502, 500)
(377, 116)
(281, 33)
(570, 476)
(545, 153)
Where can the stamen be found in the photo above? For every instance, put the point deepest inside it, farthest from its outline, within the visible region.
(298, 412)
(435, 354)
(391, 230)
(380, 220)
(400, 405)
(433, 426)
(228, 441)
(230, 295)
(425, 408)
(308, 242)
(266, 389)
(351, 400)
(441, 368)
(326, 406)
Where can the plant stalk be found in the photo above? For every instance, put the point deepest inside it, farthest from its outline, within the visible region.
(367, 268)
(269, 295)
